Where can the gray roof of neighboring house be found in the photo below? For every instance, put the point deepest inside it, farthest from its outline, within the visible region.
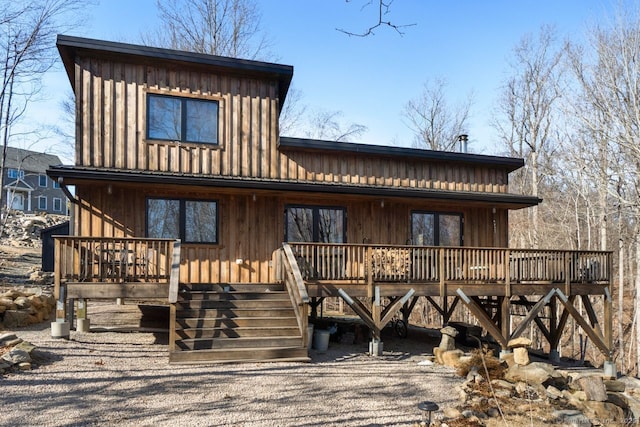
(27, 160)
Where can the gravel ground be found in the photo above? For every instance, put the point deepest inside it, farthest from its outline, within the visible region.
(108, 378)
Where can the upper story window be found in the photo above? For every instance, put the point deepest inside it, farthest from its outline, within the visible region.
(56, 184)
(42, 180)
(436, 229)
(172, 118)
(15, 174)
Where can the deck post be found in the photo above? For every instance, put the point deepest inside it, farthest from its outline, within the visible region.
(60, 328)
(82, 321)
(443, 291)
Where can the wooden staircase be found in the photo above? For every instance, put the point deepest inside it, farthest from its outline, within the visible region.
(234, 323)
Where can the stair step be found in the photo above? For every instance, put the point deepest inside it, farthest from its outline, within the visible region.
(239, 332)
(229, 313)
(235, 305)
(236, 322)
(232, 296)
(251, 342)
(279, 354)
(233, 287)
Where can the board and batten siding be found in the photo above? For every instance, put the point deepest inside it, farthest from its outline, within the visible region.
(111, 134)
(251, 230)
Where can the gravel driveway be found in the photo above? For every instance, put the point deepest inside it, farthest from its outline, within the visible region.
(116, 378)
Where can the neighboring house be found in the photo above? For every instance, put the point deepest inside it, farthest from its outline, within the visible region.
(27, 187)
(177, 145)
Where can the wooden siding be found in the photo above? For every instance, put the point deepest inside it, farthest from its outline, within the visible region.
(250, 230)
(111, 133)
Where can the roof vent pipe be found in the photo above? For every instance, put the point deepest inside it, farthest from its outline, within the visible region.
(463, 139)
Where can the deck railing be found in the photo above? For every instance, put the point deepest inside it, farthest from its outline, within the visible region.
(113, 259)
(401, 263)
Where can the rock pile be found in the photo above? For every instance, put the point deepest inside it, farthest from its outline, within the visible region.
(534, 390)
(21, 307)
(14, 353)
(22, 229)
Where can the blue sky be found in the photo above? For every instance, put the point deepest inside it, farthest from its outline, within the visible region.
(467, 42)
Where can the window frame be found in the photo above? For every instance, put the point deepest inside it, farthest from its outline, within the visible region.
(436, 225)
(15, 173)
(182, 219)
(315, 220)
(40, 180)
(59, 200)
(184, 99)
(40, 198)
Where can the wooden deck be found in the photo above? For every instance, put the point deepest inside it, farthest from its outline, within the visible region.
(487, 281)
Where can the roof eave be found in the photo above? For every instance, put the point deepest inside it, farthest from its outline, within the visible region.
(301, 144)
(509, 201)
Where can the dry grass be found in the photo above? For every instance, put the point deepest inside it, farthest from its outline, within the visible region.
(480, 359)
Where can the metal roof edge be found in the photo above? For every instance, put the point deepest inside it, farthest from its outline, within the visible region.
(262, 184)
(292, 143)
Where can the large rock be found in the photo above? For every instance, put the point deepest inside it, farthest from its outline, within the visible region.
(519, 343)
(533, 373)
(571, 417)
(16, 355)
(604, 413)
(15, 319)
(594, 388)
(447, 341)
(521, 356)
(614, 385)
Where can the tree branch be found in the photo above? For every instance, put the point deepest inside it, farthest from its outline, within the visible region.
(383, 9)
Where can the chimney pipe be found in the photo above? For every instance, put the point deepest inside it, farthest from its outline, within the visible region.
(463, 139)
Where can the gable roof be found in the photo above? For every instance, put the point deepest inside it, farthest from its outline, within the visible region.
(71, 47)
(27, 160)
(301, 144)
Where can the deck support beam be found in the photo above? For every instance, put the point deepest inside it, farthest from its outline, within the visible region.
(532, 314)
(591, 333)
(376, 319)
(483, 318)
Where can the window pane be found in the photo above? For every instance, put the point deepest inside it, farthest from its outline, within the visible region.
(202, 121)
(164, 118)
(42, 202)
(42, 180)
(299, 225)
(422, 229)
(163, 219)
(57, 205)
(331, 225)
(450, 230)
(201, 222)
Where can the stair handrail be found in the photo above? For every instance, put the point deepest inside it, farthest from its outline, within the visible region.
(297, 291)
(174, 278)
(292, 266)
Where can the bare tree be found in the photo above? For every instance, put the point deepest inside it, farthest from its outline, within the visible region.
(435, 123)
(383, 9)
(527, 110)
(329, 125)
(216, 27)
(608, 75)
(27, 51)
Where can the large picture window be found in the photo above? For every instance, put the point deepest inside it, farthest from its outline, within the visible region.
(315, 224)
(172, 118)
(192, 221)
(436, 229)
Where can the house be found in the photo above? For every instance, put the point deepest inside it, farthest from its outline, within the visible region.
(27, 187)
(185, 190)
